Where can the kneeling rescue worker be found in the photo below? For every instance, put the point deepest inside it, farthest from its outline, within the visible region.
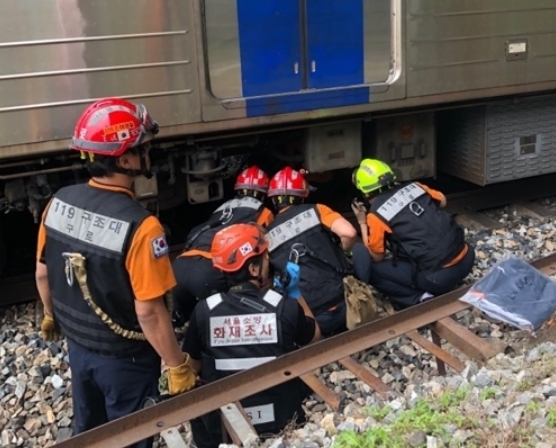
(196, 277)
(311, 229)
(245, 327)
(429, 253)
(103, 270)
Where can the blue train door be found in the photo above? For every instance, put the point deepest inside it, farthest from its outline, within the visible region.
(334, 43)
(270, 46)
(292, 46)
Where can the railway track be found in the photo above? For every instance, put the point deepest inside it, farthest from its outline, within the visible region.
(436, 316)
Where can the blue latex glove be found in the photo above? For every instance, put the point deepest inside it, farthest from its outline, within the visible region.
(292, 289)
(293, 270)
(293, 286)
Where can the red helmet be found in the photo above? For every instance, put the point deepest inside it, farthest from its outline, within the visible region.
(288, 182)
(111, 126)
(234, 245)
(252, 178)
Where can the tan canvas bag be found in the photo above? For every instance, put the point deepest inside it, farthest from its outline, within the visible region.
(361, 306)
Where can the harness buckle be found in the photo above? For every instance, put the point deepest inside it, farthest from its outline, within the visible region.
(416, 209)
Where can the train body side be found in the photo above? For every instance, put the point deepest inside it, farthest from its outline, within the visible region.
(224, 65)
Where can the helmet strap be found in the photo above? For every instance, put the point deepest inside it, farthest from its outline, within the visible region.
(143, 171)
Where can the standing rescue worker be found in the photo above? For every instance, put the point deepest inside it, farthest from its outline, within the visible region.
(429, 253)
(246, 326)
(311, 229)
(196, 277)
(103, 270)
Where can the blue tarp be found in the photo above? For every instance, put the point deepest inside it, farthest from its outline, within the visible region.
(515, 292)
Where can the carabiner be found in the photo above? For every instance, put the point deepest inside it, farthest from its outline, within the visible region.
(68, 268)
(297, 250)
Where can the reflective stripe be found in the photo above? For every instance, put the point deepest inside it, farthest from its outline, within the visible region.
(292, 228)
(240, 363)
(95, 146)
(213, 301)
(272, 297)
(88, 227)
(401, 199)
(247, 202)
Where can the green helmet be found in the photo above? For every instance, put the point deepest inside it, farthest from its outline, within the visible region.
(371, 175)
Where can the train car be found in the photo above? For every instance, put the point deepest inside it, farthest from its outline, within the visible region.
(455, 85)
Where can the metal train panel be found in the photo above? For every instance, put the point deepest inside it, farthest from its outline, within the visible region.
(58, 55)
(478, 44)
(220, 65)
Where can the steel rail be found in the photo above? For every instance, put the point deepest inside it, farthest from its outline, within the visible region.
(151, 421)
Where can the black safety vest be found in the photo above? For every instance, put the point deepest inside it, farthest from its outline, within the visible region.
(99, 224)
(239, 210)
(323, 266)
(421, 231)
(240, 331)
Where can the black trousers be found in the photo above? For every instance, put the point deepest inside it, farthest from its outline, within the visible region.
(196, 280)
(398, 281)
(105, 388)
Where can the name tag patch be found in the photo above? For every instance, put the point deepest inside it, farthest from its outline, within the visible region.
(247, 202)
(88, 227)
(160, 246)
(400, 200)
(260, 414)
(246, 329)
(291, 228)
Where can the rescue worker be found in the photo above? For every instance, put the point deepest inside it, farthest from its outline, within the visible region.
(267, 323)
(429, 253)
(313, 230)
(196, 277)
(102, 272)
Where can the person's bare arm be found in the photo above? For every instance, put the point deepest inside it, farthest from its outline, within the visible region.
(443, 200)
(347, 233)
(41, 280)
(307, 311)
(157, 327)
(196, 364)
(376, 257)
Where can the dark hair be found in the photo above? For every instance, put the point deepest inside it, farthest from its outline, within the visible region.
(252, 193)
(243, 275)
(106, 166)
(281, 202)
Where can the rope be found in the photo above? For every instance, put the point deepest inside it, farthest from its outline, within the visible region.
(76, 262)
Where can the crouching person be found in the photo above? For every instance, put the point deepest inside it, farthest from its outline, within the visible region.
(249, 325)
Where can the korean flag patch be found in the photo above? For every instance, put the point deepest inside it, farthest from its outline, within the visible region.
(160, 246)
(246, 249)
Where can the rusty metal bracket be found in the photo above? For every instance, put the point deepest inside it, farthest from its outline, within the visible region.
(318, 387)
(464, 340)
(364, 375)
(442, 356)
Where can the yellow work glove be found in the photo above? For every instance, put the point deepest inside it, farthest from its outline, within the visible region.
(181, 378)
(360, 211)
(49, 329)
